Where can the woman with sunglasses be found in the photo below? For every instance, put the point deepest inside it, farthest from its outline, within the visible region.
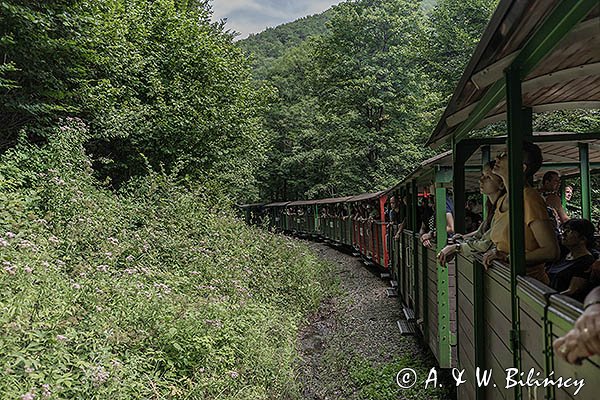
(541, 245)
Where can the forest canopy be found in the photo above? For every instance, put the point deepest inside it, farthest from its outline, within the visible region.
(356, 103)
(157, 83)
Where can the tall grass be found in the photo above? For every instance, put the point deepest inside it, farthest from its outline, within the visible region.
(157, 291)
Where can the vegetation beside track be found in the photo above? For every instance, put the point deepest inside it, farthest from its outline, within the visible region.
(154, 291)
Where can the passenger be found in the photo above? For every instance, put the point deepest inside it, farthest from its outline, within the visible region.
(541, 244)
(355, 212)
(393, 217)
(472, 221)
(393, 214)
(568, 192)
(571, 275)
(402, 218)
(374, 214)
(345, 211)
(427, 232)
(549, 191)
(479, 241)
(574, 210)
(584, 339)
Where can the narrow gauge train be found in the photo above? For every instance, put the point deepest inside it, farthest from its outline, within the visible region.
(535, 56)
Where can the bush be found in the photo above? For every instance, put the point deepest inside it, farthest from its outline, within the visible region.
(156, 291)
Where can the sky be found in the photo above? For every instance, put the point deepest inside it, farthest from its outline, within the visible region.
(254, 16)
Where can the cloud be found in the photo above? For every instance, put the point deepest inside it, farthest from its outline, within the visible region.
(253, 16)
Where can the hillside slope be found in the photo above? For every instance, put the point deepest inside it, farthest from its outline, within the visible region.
(271, 44)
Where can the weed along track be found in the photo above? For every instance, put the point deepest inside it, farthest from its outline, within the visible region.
(351, 348)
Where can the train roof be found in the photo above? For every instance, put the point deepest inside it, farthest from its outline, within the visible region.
(251, 205)
(301, 203)
(333, 200)
(367, 196)
(555, 43)
(279, 204)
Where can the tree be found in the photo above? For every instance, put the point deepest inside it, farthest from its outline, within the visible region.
(157, 82)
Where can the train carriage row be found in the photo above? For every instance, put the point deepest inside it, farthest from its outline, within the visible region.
(535, 56)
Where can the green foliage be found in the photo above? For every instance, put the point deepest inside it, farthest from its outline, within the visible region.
(378, 382)
(454, 28)
(271, 44)
(156, 291)
(357, 101)
(157, 83)
(39, 66)
(350, 102)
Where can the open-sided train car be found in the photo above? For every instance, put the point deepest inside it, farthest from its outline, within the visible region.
(535, 56)
(253, 213)
(369, 229)
(302, 217)
(277, 215)
(333, 219)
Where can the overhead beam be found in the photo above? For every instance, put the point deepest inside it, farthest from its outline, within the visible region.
(563, 75)
(493, 72)
(570, 105)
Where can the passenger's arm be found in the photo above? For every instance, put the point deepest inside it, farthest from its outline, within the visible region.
(479, 233)
(423, 228)
(576, 285)
(400, 229)
(449, 223)
(480, 245)
(554, 202)
(493, 254)
(543, 232)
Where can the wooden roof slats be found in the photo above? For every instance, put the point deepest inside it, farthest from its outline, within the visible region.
(553, 152)
(557, 72)
(528, 16)
(579, 85)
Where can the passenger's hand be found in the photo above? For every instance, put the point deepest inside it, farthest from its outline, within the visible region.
(492, 255)
(588, 325)
(569, 347)
(426, 240)
(446, 254)
(400, 230)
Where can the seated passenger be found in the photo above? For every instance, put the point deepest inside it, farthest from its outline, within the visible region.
(479, 241)
(549, 191)
(571, 275)
(584, 339)
(541, 244)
